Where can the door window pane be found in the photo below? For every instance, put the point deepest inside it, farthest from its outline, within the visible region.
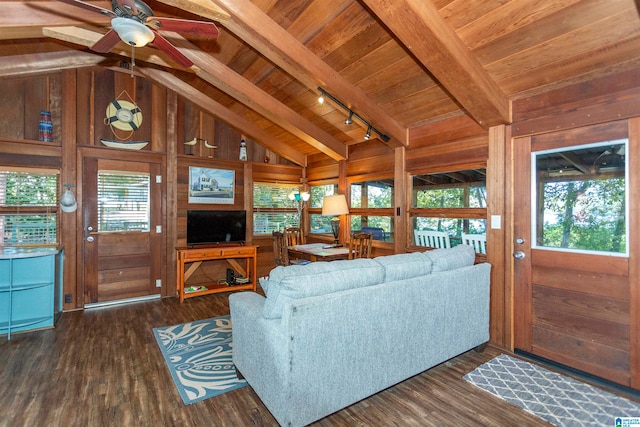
(123, 201)
(580, 198)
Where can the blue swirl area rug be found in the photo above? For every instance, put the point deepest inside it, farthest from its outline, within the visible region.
(558, 399)
(198, 355)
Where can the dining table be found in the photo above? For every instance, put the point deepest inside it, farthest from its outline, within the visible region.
(318, 252)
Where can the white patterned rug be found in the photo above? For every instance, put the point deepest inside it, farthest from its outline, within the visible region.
(198, 355)
(558, 399)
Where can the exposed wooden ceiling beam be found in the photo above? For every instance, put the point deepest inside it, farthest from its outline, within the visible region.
(442, 52)
(46, 62)
(22, 20)
(235, 85)
(187, 91)
(257, 29)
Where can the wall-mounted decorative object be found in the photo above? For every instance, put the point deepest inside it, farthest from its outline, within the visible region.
(45, 127)
(243, 150)
(123, 115)
(213, 186)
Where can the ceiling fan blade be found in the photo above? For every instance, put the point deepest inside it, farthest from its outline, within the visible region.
(183, 26)
(89, 6)
(164, 45)
(128, 6)
(106, 43)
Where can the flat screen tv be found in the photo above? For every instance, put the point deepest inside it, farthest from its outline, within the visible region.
(209, 227)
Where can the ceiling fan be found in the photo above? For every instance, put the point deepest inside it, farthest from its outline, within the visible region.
(134, 23)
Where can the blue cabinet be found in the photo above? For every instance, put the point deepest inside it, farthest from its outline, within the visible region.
(29, 283)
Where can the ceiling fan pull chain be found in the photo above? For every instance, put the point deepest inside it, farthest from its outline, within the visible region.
(133, 59)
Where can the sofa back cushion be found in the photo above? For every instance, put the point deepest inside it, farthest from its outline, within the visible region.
(404, 266)
(452, 258)
(317, 278)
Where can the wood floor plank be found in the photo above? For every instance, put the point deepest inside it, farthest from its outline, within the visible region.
(103, 367)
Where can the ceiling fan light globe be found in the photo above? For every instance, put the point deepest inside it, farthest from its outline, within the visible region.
(132, 32)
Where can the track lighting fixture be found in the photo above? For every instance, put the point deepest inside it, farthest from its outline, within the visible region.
(352, 114)
(349, 119)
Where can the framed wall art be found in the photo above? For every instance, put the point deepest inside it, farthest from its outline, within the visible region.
(211, 186)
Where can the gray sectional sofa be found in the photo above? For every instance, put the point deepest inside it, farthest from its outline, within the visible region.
(329, 334)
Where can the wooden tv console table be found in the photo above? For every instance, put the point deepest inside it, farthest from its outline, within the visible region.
(232, 254)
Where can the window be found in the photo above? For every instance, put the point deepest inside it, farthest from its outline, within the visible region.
(123, 201)
(581, 198)
(453, 203)
(273, 210)
(28, 207)
(320, 224)
(371, 208)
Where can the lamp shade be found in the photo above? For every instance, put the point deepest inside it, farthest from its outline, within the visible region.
(335, 205)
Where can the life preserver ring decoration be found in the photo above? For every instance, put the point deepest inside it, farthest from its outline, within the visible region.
(123, 115)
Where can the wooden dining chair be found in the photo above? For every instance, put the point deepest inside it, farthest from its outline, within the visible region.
(360, 245)
(294, 236)
(280, 248)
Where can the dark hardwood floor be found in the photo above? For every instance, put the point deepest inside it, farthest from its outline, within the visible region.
(102, 367)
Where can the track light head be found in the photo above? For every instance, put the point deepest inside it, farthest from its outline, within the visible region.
(349, 119)
(368, 134)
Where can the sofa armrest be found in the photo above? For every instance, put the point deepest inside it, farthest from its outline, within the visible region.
(259, 345)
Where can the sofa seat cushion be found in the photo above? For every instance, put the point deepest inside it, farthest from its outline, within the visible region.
(404, 266)
(452, 258)
(318, 278)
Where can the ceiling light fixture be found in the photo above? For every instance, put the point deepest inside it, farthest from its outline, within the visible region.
(349, 119)
(132, 32)
(352, 114)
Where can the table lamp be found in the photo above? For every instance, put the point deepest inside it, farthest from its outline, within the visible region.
(335, 205)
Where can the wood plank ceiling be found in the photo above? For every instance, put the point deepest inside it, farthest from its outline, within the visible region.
(400, 64)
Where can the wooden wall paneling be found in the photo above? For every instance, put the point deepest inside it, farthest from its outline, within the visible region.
(69, 233)
(143, 97)
(36, 99)
(103, 94)
(320, 168)
(170, 287)
(54, 103)
(469, 150)
(85, 111)
(597, 101)
(191, 129)
(208, 132)
(501, 309)
(633, 163)
(579, 136)
(41, 154)
(158, 120)
(263, 172)
(455, 128)
(12, 108)
(228, 142)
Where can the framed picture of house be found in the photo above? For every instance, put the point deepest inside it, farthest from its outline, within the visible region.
(213, 186)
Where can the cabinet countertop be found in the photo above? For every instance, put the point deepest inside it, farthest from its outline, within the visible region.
(27, 252)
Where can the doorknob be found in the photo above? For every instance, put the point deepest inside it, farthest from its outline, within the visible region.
(518, 255)
(90, 239)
